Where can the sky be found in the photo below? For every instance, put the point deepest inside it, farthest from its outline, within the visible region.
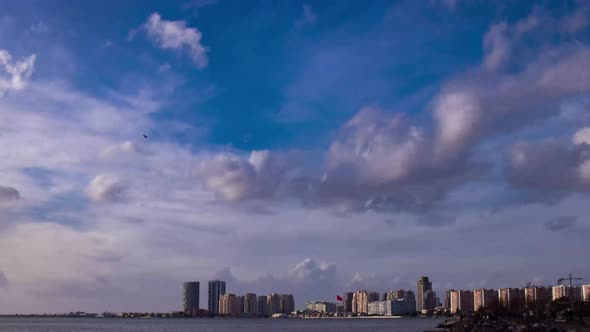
(304, 147)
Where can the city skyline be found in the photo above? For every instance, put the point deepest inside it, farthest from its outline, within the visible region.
(296, 147)
(394, 302)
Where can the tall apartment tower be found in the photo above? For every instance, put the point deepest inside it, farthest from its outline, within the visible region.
(348, 301)
(422, 286)
(228, 305)
(360, 302)
(190, 296)
(287, 303)
(216, 289)
(484, 299)
(273, 302)
(250, 304)
(262, 306)
(586, 293)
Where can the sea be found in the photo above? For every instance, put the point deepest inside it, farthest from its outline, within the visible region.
(214, 325)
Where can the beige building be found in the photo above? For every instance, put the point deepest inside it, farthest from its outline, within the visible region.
(228, 305)
(422, 286)
(586, 293)
(321, 306)
(360, 302)
(461, 300)
(484, 298)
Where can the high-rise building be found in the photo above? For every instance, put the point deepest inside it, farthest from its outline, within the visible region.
(373, 297)
(484, 298)
(409, 295)
(394, 295)
(262, 306)
(466, 299)
(190, 296)
(586, 293)
(575, 292)
(250, 305)
(448, 299)
(535, 296)
(430, 300)
(287, 303)
(348, 301)
(360, 302)
(392, 307)
(511, 299)
(273, 303)
(216, 289)
(461, 300)
(240, 305)
(422, 286)
(228, 305)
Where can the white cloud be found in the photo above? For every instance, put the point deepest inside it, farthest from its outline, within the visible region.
(234, 178)
(582, 136)
(104, 187)
(458, 115)
(309, 17)
(381, 149)
(18, 73)
(309, 269)
(176, 35)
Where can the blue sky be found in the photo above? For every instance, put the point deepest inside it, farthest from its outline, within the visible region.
(310, 147)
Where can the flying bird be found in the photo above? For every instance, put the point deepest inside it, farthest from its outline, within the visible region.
(144, 136)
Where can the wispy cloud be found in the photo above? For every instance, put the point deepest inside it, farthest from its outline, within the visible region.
(14, 76)
(175, 35)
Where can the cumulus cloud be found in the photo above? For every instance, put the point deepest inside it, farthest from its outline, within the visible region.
(106, 188)
(309, 17)
(14, 76)
(457, 115)
(176, 35)
(582, 136)
(8, 194)
(309, 269)
(382, 162)
(561, 223)
(235, 178)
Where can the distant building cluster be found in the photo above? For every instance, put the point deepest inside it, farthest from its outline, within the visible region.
(513, 300)
(221, 303)
(364, 302)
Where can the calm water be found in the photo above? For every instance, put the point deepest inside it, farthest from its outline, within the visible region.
(213, 325)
